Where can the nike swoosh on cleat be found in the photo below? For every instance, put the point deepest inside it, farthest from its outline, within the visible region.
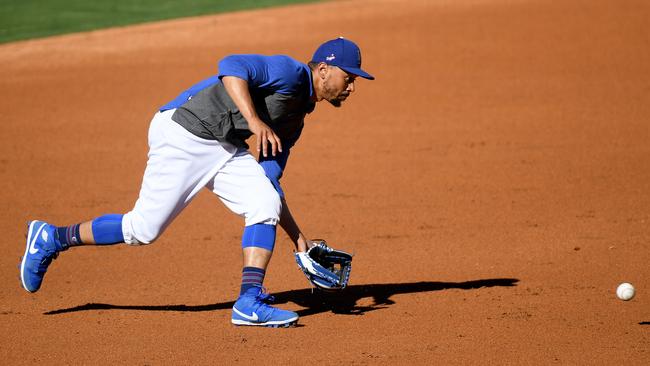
(32, 248)
(253, 317)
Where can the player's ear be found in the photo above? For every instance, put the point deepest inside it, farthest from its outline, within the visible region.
(323, 69)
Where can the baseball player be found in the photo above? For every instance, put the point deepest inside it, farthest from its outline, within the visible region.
(198, 140)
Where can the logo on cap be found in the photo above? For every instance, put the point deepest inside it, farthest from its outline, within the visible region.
(330, 57)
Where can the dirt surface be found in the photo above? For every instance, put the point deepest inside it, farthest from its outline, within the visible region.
(493, 183)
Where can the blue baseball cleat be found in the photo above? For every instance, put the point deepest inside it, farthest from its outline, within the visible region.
(40, 250)
(252, 309)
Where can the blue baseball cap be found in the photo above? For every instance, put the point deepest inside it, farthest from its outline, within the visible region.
(342, 53)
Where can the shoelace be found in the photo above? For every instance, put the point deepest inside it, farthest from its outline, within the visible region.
(265, 297)
(47, 259)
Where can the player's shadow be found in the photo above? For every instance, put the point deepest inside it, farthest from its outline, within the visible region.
(314, 302)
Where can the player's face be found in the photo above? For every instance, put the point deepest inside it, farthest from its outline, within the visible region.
(337, 86)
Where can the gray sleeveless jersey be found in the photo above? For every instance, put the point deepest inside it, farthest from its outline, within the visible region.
(211, 114)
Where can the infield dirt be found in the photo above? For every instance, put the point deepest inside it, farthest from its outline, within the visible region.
(493, 183)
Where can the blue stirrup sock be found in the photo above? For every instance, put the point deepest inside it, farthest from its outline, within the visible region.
(67, 236)
(259, 236)
(251, 277)
(107, 229)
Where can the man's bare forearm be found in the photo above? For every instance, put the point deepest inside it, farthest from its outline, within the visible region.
(289, 225)
(237, 89)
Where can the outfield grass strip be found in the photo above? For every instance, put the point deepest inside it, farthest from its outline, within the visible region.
(26, 19)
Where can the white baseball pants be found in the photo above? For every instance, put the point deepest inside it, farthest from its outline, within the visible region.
(179, 165)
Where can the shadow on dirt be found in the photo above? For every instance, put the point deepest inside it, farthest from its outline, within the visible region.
(316, 302)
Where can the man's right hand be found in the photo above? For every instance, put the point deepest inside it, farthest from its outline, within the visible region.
(265, 136)
(237, 88)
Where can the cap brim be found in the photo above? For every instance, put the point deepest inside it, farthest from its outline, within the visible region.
(358, 72)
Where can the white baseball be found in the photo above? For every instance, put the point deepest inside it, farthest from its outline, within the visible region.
(625, 291)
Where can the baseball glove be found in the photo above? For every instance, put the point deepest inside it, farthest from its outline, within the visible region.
(326, 268)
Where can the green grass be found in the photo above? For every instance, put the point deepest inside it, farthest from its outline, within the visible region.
(24, 19)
